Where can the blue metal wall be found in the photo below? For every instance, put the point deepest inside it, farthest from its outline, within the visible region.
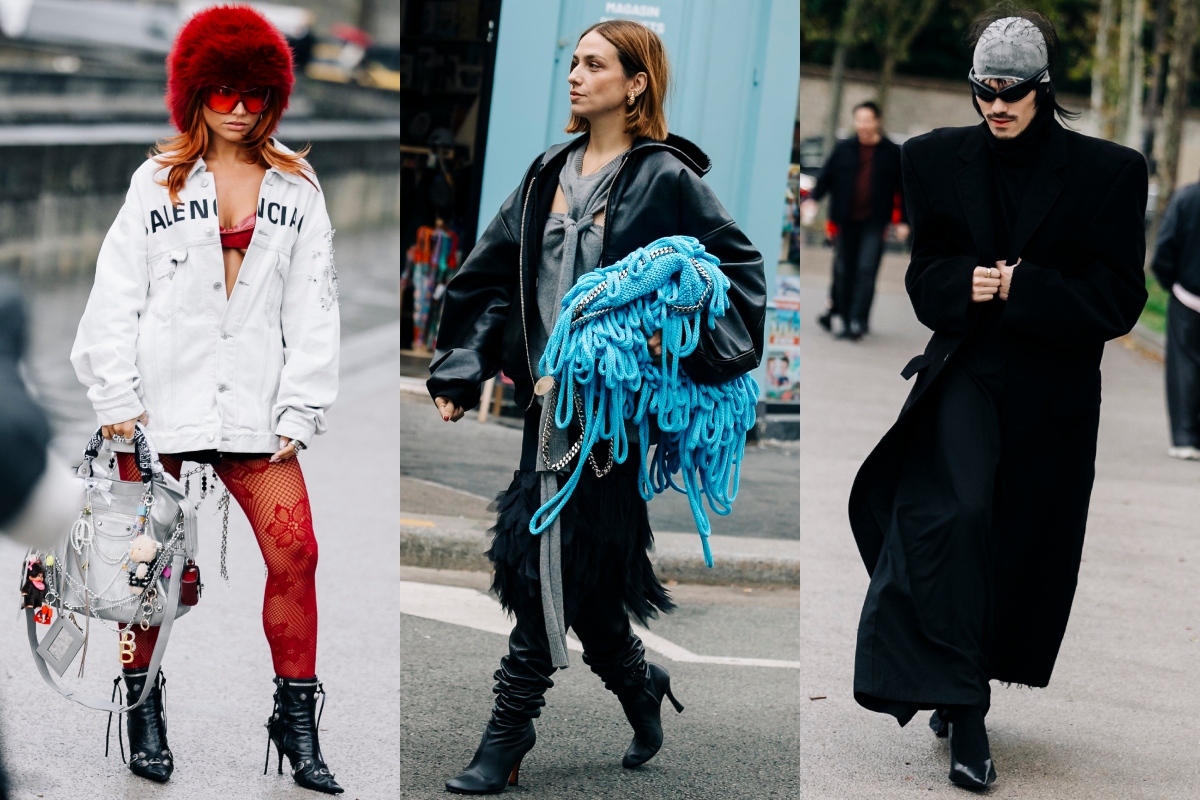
(736, 73)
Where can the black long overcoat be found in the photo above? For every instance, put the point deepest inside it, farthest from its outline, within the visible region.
(1080, 283)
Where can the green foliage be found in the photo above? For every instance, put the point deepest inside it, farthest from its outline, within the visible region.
(1154, 315)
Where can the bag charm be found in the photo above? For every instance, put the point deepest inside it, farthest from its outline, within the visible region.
(190, 587)
(33, 589)
(143, 551)
(126, 646)
(43, 615)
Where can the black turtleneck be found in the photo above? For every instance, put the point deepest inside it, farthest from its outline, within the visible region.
(1012, 165)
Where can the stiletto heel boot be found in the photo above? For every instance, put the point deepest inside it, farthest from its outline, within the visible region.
(497, 761)
(970, 756)
(521, 684)
(640, 686)
(149, 754)
(293, 730)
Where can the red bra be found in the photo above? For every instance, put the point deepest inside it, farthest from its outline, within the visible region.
(238, 238)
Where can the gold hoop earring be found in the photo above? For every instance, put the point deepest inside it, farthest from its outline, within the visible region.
(632, 97)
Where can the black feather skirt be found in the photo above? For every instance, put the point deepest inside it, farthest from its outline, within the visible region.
(605, 538)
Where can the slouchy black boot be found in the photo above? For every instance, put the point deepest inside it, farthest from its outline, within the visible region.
(149, 754)
(521, 684)
(970, 756)
(640, 687)
(293, 729)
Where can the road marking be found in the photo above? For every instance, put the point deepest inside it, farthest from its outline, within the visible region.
(469, 608)
(422, 523)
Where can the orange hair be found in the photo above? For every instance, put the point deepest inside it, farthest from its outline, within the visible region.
(180, 152)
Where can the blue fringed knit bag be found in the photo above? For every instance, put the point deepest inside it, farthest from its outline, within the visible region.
(600, 362)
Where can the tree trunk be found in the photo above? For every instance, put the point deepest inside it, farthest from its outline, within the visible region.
(837, 73)
(1175, 103)
(899, 32)
(1101, 65)
(886, 73)
(1125, 79)
(1162, 9)
(1133, 126)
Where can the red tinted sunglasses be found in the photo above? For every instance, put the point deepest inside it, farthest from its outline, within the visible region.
(223, 99)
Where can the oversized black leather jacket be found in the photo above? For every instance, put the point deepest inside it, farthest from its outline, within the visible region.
(491, 303)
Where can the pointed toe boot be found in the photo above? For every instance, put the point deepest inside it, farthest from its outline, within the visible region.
(971, 764)
(497, 761)
(640, 686)
(293, 730)
(149, 754)
(521, 684)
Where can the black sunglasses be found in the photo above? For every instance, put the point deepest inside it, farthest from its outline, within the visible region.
(1009, 94)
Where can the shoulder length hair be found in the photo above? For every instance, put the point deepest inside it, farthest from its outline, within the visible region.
(181, 152)
(640, 50)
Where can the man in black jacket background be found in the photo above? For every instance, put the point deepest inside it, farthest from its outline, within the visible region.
(862, 178)
(1177, 266)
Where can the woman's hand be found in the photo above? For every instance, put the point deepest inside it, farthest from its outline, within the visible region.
(655, 344)
(983, 285)
(287, 449)
(449, 411)
(123, 429)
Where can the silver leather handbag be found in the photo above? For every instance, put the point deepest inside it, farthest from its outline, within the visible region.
(123, 561)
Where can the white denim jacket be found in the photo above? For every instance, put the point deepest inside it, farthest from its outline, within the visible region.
(159, 336)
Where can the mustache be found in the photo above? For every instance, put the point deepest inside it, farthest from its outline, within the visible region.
(1001, 116)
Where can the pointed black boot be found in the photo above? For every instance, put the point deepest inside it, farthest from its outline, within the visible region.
(970, 756)
(149, 754)
(640, 686)
(521, 684)
(293, 730)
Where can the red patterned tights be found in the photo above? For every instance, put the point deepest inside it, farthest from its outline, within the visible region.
(275, 500)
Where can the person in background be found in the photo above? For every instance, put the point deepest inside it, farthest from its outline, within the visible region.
(36, 490)
(1176, 265)
(862, 178)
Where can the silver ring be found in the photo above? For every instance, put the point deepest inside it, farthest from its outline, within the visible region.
(120, 439)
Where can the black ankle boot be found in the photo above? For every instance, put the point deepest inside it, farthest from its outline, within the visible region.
(939, 723)
(640, 686)
(497, 761)
(521, 684)
(293, 729)
(970, 756)
(149, 754)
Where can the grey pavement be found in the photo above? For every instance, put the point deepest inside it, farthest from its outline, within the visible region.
(737, 736)
(217, 663)
(1121, 717)
(480, 459)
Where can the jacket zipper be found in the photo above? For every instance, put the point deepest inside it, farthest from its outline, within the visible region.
(521, 288)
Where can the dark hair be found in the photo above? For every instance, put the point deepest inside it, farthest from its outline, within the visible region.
(1045, 91)
(867, 104)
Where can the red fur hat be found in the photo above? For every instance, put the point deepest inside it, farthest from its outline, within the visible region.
(226, 46)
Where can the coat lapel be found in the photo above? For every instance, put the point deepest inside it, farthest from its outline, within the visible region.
(975, 193)
(1044, 187)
